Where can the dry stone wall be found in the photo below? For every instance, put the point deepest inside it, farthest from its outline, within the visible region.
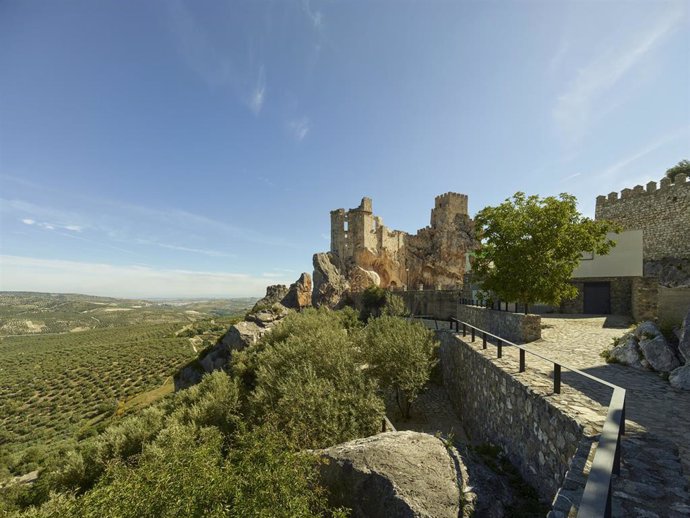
(517, 412)
(516, 327)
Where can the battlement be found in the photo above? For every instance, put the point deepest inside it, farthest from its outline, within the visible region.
(665, 184)
(453, 200)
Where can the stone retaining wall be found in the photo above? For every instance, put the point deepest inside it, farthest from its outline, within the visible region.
(516, 327)
(517, 412)
(673, 305)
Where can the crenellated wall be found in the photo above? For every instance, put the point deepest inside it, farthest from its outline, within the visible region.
(662, 213)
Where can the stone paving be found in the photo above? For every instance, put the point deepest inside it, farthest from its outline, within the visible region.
(655, 465)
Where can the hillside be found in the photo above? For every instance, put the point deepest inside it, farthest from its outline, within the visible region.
(24, 313)
(70, 362)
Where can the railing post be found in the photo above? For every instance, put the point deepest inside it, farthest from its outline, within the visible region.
(383, 424)
(483, 340)
(556, 378)
(473, 334)
(516, 309)
(522, 360)
(464, 329)
(499, 344)
(623, 420)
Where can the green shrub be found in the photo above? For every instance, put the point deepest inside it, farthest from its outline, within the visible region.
(400, 355)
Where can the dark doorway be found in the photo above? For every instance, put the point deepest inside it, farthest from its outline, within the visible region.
(597, 298)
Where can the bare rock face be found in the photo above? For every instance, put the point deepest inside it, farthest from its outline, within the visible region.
(393, 474)
(274, 294)
(646, 329)
(329, 284)
(680, 378)
(299, 294)
(659, 354)
(684, 340)
(360, 279)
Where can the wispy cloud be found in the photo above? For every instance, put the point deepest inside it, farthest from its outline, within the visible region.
(582, 96)
(202, 251)
(256, 101)
(570, 177)
(51, 226)
(314, 15)
(624, 162)
(19, 273)
(299, 128)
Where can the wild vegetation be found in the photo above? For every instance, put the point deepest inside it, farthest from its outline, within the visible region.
(232, 445)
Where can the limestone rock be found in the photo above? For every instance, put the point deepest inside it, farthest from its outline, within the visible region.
(393, 474)
(659, 354)
(646, 329)
(684, 340)
(680, 378)
(266, 317)
(274, 294)
(299, 294)
(242, 334)
(329, 284)
(360, 279)
(628, 352)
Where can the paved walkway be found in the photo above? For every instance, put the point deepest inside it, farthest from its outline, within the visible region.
(652, 482)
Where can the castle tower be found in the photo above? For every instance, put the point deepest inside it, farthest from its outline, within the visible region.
(446, 207)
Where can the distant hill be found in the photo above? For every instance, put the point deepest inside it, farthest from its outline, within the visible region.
(28, 313)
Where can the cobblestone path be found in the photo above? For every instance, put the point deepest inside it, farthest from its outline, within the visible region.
(655, 465)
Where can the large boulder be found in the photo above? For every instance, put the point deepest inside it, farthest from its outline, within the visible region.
(330, 286)
(360, 279)
(393, 474)
(684, 339)
(680, 378)
(299, 294)
(659, 354)
(627, 352)
(274, 294)
(646, 329)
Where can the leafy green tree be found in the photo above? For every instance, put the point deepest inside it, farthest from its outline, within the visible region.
(530, 247)
(400, 355)
(681, 167)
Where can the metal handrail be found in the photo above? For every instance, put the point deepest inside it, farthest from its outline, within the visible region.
(596, 498)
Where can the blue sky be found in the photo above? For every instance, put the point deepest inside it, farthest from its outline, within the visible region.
(172, 148)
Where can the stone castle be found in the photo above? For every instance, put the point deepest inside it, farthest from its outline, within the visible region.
(364, 251)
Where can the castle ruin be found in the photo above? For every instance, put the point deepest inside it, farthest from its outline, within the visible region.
(434, 257)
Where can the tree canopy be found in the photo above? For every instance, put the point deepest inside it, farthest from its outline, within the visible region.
(681, 167)
(531, 245)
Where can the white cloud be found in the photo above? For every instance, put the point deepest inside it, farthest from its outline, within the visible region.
(28, 221)
(582, 96)
(299, 128)
(34, 274)
(73, 228)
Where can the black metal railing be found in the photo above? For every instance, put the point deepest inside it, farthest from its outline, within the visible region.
(596, 498)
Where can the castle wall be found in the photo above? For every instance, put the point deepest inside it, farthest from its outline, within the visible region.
(662, 213)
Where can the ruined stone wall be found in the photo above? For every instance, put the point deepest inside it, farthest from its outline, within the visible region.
(517, 412)
(645, 298)
(440, 304)
(662, 213)
(673, 305)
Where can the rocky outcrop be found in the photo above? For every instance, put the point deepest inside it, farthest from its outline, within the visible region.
(680, 378)
(659, 354)
(274, 294)
(684, 339)
(299, 293)
(237, 337)
(393, 474)
(360, 279)
(672, 272)
(330, 287)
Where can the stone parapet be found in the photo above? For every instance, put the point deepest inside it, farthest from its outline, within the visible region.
(516, 327)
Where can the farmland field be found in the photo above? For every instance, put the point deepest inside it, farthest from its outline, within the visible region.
(88, 358)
